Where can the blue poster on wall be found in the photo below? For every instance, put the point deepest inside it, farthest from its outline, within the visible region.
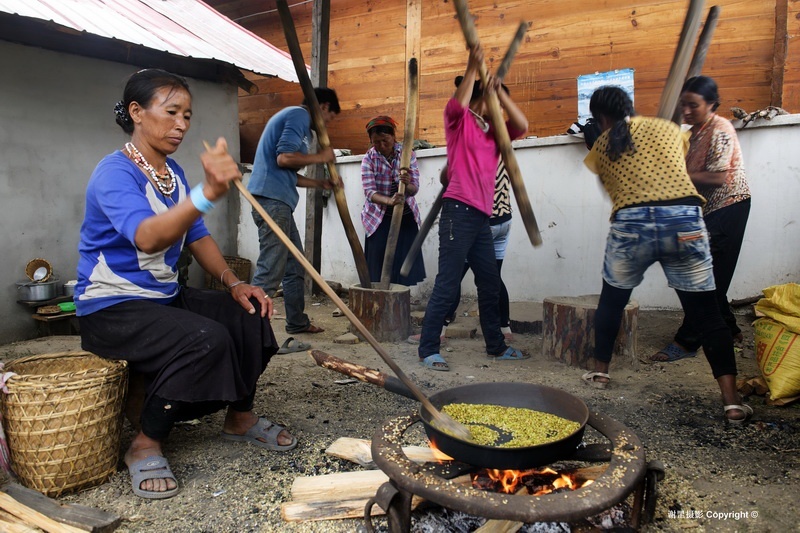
(589, 82)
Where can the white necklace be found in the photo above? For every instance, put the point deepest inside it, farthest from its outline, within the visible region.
(166, 184)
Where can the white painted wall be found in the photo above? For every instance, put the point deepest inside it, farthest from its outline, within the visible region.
(572, 212)
(56, 123)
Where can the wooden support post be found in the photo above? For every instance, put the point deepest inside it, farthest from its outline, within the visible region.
(568, 331)
(320, 24)
(779, 53)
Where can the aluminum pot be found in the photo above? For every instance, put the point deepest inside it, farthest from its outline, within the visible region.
(69, 287)
(37, 291)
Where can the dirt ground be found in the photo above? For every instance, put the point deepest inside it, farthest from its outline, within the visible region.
(717, 478)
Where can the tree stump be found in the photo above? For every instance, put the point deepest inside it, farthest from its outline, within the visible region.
(568, 331)
(385, 313)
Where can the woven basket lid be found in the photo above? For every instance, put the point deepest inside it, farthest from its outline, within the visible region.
(35, 264)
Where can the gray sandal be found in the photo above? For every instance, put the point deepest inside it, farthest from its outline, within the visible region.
(264, 433)
(153, 467)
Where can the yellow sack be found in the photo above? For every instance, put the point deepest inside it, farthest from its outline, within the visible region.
(778, 355)
(782, 304)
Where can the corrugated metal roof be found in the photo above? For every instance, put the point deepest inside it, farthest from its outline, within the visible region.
(189, 28)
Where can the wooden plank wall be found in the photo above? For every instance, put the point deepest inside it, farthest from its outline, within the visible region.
(371, 39)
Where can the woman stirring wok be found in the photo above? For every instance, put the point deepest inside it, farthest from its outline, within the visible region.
(198, 350)
(656, 217)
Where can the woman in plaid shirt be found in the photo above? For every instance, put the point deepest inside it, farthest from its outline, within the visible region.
(380, 175)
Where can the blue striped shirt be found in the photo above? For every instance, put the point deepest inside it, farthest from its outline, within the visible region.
(111, 269)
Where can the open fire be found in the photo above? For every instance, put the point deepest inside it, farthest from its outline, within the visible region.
(535, 482)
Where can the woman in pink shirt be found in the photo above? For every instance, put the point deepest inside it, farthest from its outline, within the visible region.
(464, 232)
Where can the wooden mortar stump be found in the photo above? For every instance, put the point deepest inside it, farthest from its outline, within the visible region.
(385, 313)
(568, 331)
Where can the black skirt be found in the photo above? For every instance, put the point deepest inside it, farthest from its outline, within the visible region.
(375, 247)
(202, 347)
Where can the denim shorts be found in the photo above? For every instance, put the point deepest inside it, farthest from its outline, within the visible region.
(500, 238)
(674, 236)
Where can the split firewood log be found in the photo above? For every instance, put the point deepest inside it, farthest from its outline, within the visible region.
(358, 451)
(32, 517)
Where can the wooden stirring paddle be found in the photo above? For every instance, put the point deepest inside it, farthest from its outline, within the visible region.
(442, 421)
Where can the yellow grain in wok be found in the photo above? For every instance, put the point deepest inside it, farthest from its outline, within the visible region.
(526, 426)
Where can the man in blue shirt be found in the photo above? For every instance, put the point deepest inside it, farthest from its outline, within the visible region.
(282, 151)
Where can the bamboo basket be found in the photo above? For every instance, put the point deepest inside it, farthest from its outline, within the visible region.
(63, 418)
(240, 266)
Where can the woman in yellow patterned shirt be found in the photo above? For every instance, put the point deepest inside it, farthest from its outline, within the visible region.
(715, 165)
(656, 217)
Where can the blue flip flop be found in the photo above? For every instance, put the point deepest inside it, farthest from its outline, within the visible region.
(673, 353)
(511, 354)
(435, 362)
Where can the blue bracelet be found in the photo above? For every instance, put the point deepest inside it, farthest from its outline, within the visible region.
(203, 204)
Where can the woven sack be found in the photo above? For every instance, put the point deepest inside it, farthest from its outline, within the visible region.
(63, 418)
(240, 266)
(778, 356)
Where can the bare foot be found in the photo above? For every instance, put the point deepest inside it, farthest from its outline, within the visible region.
(143, 447)
(238, 423)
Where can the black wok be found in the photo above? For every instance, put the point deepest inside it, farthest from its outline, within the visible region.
(536, 397)
(527, 395)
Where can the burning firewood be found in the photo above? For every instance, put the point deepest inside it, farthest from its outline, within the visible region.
(536, 482)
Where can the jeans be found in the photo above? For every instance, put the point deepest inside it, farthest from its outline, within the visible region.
(464, 234)
(500, 234)
(276, 265)
(674, 236)
(726, 229)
